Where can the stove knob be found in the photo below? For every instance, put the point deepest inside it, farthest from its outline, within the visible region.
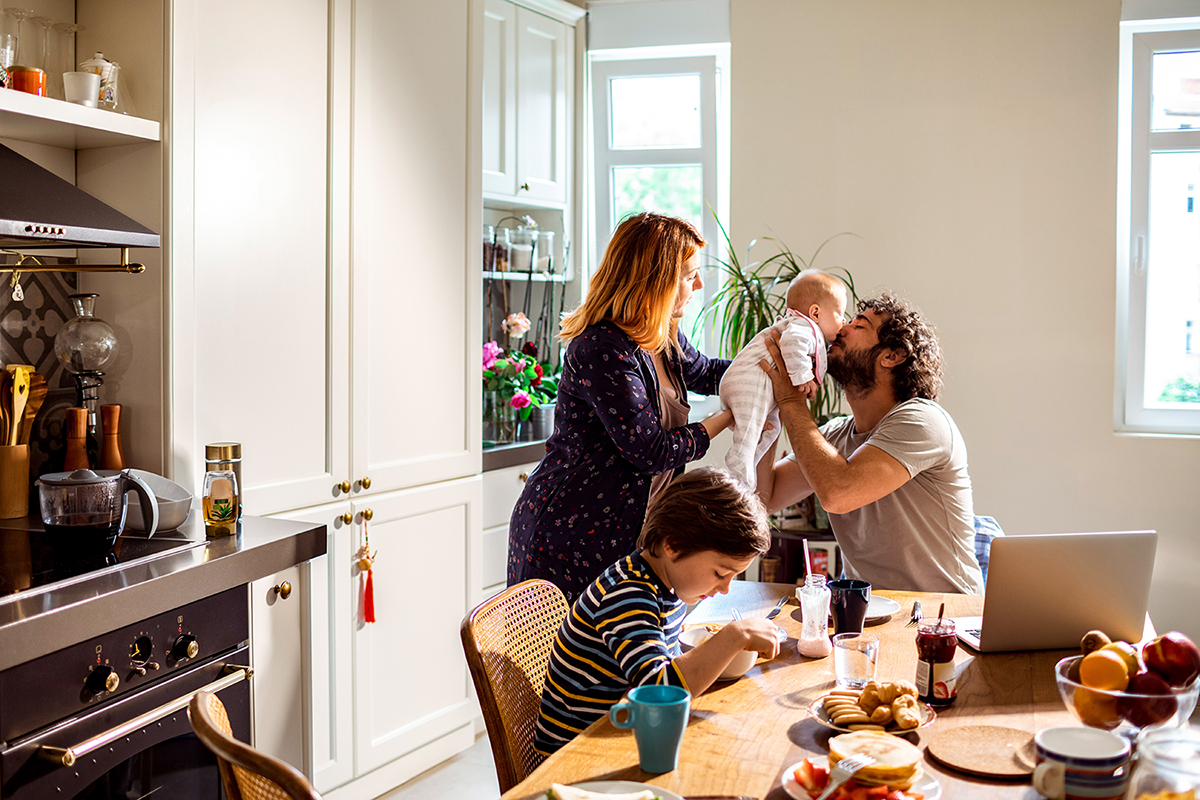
(102, 679)
(185, 646)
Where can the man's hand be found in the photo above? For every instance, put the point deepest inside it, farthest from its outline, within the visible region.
(785, 392)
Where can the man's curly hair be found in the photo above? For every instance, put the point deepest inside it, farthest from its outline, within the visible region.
(905, 331)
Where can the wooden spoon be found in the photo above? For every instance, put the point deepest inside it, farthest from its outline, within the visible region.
(20, 396)
(37, 395)
(5, 404)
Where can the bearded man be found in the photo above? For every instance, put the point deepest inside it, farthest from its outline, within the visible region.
(893, 475)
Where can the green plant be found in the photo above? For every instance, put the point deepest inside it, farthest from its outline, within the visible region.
(1181, 390)
(752, 297)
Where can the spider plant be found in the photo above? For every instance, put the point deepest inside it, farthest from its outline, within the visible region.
(752, 297)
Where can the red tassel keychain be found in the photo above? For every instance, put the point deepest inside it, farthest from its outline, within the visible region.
(365, 560)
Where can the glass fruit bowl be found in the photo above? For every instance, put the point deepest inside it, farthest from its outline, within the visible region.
(1128, 711)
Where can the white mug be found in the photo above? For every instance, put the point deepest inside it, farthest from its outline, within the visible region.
(1080, 764)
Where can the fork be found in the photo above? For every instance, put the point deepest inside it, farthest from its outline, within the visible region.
(778, 607)
(843, 771)
(917, 616)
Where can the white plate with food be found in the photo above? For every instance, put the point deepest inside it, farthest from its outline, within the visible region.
(925, 786)
(619, 788)
(880, 609)
(817, 711)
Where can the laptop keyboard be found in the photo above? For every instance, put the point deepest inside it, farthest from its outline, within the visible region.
(974, 633)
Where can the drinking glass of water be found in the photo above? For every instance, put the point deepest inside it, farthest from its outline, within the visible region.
(854, 657)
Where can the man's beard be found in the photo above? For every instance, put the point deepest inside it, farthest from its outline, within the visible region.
(853, 369)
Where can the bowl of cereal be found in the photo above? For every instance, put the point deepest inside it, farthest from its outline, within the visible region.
(695, 635)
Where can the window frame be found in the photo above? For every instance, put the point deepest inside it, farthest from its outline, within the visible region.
(710, 62)
(1139, 42)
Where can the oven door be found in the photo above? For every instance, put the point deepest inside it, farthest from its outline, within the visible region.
(134, 745)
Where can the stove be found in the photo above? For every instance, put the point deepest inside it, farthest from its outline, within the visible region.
(105, 716)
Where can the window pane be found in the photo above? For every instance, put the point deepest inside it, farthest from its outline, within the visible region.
(1173, 282)
(1176, 91)
(677, 191)
(655, 112)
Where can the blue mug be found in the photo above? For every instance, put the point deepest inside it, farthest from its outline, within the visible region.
(658, 716)
(1076, 763)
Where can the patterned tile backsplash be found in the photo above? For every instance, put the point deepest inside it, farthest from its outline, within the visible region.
(27, 329)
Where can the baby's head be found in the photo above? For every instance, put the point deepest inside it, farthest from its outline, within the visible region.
(822, 298)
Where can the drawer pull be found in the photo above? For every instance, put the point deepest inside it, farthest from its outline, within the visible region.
(524, 476)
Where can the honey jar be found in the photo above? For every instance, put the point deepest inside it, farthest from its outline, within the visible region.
(28, 79)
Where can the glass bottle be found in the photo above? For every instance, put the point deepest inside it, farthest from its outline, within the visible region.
(221, 503)
(936, 675)
(1168, 764)
(226, 456)
(86, 346)
(814, 609)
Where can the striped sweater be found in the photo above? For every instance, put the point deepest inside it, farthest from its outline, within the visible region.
(622, 632)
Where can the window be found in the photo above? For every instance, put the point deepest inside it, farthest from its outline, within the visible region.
(1158, 264)
(656, 145)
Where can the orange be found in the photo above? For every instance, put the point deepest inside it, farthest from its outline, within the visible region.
(1104, 669)
(1096, 709)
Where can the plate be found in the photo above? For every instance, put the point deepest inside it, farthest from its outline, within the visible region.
(925, 784)
(624, 787)
(880, 608)
(817, 711)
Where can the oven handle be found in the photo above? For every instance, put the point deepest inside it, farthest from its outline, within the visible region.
(66, 756)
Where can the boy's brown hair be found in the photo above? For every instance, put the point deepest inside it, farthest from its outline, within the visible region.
(706, 509)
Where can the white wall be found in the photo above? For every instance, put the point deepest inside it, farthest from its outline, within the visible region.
(972, 147)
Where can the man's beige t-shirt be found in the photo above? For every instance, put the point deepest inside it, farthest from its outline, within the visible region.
(922, 536)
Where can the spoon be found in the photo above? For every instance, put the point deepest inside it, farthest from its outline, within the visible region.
(20, 395)
(5, 398)
(37, 395)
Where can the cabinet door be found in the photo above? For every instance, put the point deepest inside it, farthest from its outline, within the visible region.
(499, 97)
(417, 269)
(329, 611)
(258, 247)
(411, 680)
(543, 107)
(278, 650)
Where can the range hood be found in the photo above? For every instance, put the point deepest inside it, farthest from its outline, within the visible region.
(39, 210)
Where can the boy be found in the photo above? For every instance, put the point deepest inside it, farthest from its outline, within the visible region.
(623, 631)
(816, 311)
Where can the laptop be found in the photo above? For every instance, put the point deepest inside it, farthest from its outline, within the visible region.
(1045, 591)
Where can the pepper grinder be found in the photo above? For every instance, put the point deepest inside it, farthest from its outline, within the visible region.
(76, 430)
(111, 456)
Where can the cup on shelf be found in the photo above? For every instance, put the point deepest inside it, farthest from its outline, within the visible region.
(27, 79)
(82, 88)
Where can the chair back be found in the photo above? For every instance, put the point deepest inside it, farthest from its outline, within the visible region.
(986, 529)
(246, 773)
(507, 640)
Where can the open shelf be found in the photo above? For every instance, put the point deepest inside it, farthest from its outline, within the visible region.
(44, 120)
(536, 277)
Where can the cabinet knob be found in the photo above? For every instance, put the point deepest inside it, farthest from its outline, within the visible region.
(344, 486)
(365, 482)
(368, 514)
(524, 476)
(284, 590)
(525, 187)
(347, 518)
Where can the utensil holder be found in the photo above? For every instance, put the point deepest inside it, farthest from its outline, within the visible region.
(14, 481)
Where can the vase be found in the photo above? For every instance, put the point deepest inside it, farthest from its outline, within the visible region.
(499, 419)
(539, 426)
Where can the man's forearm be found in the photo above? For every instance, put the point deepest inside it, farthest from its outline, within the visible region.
(824, 467)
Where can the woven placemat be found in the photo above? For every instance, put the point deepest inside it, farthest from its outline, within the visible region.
(987, 750)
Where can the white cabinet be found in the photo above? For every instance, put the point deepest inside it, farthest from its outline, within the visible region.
(501, 488)
(528, 102)
(278, 653)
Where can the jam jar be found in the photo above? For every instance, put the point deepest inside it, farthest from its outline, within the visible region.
(1168, 765)
(936, 676)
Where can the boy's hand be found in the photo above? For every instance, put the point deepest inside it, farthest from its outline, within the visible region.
(759, 635)
(809, 390)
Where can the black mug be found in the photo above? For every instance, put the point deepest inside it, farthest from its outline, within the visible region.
(848, 601)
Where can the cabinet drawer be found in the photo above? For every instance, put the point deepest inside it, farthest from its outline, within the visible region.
(495, 556)
(501, 488)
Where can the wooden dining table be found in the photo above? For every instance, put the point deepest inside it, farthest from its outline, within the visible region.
(744, 734)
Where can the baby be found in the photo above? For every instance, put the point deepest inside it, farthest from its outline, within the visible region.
(816, 309)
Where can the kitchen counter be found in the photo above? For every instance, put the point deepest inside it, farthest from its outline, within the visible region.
(41, 620)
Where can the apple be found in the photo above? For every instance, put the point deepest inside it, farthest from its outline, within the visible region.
(1174, 657)
(1143, 711)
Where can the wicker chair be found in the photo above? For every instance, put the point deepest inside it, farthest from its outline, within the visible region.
(508, 640)
(246, 773)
